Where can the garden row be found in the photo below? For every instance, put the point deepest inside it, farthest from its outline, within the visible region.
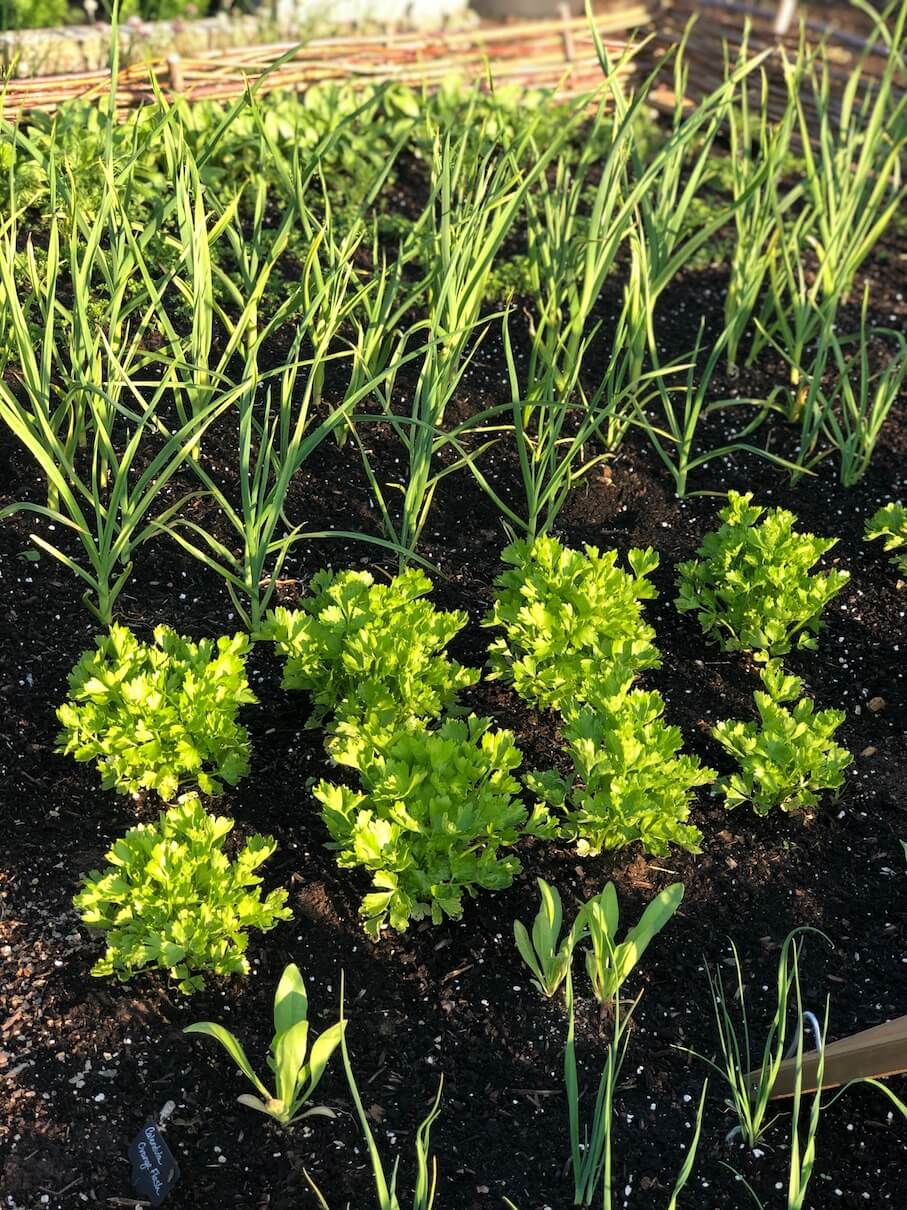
(227, 334)
(279, 278)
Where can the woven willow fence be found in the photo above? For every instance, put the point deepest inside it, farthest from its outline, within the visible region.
(556, 54)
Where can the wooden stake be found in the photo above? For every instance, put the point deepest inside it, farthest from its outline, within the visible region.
(569, 48)
(785, 14)
(175, 67)
(880, 1051)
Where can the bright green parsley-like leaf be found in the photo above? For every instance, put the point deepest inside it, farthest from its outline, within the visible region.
(434, 813)
(171, 899)
(751, 586)
(890, 522)
(159, 715)
(570, 620)
(629, 782)
(789, 757)
(370, 652)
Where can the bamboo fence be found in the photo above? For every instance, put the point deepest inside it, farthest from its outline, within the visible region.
(557, 55)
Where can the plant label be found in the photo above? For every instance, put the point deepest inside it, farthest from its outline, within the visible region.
(154, 1168)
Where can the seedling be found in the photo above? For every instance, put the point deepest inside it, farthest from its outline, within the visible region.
(296, 1077)
(546, 955)
(609, 962)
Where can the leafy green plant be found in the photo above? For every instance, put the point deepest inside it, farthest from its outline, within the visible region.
(570, 619)
(789, 757)
(171, 899)
(751, 586)
(628, 783)
(435, 811)
(890, 522)
(159, 715)
(297, 1069)
(32, 14)
(609, 962)
(546, 955)
(370, 651)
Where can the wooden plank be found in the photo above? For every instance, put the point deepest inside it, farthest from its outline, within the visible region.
(877, 1052)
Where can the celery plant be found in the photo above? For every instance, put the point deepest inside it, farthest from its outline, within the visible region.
(890, 522)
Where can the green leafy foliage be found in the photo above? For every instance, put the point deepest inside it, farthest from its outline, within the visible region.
(435, 810)
(546, 955)
(752, 587)
(609, 963)
(164, 10)
(790, 756)
(159, 716)
(370, 654)
(569, 619)
(297, 1070)
(890, 522)
(629, 783)
(41, 14)
(171, 899)
(32, 14)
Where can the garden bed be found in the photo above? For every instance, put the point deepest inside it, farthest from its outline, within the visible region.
(85, 1062)
(454, 1000)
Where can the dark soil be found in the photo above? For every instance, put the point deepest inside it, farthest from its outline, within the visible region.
(85, 1062)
